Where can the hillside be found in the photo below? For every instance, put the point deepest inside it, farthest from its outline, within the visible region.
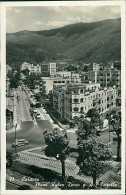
(91, 42)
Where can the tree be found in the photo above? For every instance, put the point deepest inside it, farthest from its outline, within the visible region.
(26, 72)
(50, 96)
(43, 90)
(89, 126)
(95, 121)
(71, 68)
(10, 157)
(92, 153)
(57, 146)
(93, 158)
(84, 130)
(14, 81)
(114, 120)
(31, 80)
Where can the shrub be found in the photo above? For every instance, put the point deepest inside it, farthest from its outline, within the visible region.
(63, 121)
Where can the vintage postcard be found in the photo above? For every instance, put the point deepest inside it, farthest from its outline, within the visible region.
(63, 97)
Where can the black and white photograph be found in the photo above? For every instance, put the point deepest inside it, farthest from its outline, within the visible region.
(63, 102)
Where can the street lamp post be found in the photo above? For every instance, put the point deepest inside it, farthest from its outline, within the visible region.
(15, 139)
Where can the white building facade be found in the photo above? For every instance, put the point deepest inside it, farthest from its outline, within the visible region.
(52, 69)
(49, 82)
(106, 78)
(36, 69)
(74, 99)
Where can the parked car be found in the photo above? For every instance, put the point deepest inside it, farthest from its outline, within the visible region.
(35, 111)
(114, 139)
(38, 116)
(38, 105)
(19, 142)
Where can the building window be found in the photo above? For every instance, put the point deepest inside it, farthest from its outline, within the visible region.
(81, 99)
(76, 109)
(81, 109)
(81, 91)
(75, 100)
(76, 91)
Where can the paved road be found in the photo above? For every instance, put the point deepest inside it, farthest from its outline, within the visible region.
(32, 133)
(29, 131)
(24, 107)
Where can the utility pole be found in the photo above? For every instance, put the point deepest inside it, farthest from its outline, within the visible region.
(15, 139)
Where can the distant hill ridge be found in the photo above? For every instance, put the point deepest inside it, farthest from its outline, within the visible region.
(96, 41)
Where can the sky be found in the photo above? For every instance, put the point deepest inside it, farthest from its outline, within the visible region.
(44, 18)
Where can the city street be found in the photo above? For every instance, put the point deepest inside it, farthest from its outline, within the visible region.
(33, 132)
(29, 131)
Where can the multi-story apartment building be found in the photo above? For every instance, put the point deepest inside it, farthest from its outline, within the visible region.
(52, 69)
(48, 69)
(73, 99)
(45, 69)
(36, 69)
(60, 79)
(106, 78)
(65, 74)
(94, 67)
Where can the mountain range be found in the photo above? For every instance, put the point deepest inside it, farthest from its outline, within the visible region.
(91, 42)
